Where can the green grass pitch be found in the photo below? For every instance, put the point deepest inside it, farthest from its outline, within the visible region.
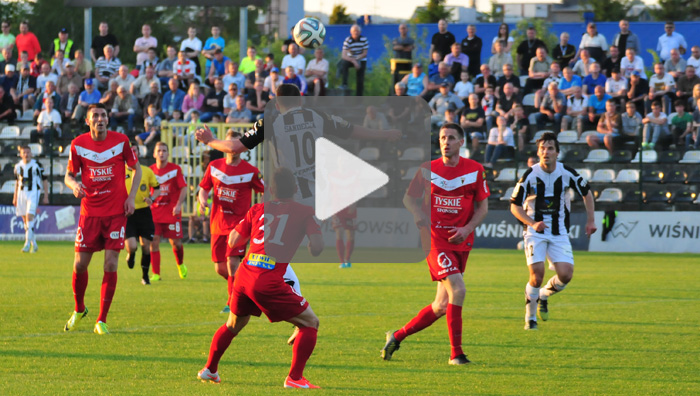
(627, 324)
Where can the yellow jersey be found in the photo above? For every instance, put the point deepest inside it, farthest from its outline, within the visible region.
(148, 181)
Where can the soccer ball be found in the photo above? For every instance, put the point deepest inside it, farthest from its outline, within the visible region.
(309, 33)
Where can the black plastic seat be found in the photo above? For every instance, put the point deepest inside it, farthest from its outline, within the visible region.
(659, 195)
(669, 157)
(683, 196)
(621, 156)
(675, 177)
(633, 196)
(652, 176)
(575, 155)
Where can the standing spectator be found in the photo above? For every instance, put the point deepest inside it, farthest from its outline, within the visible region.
(631, 125)
(593, 79)
(564, 53)
(44, 77)
(354, 54)
(504, 36)
(582, 66)
(317, 74)
(62, 43)
(626, 39)
(7, 107)
(485, 81)
(670, 40)
(464, 87)
(594, 42)
(240, 114)
(292, 59)
(632, 63)
(213, 102)
(257, 99)
(82, 66)
(684, 87)
(527, 50)
(403, 45)
(508, 77)
(192, 101)
(538, 70)
(69, 76)
(471, 47)
(191, 47)
(7, 39)
(143, 43)
(248, 63)
(124, 78)
(211, 45)
(102, 40)
(184, 69)
(69, 101)
(172, 100)
(694, 59)
(234, 76)
(142, 85)
(637, 91)
(499, 59)
(616, 87)
(611, 62)
(107, 67)
(501, 143)
(442, 40)
(166, 67)
(123, 109)
(27, 41)
(89, 96)
(655, 127)
(608, 128)
(675, 66)
(662, 87)
(272, 81)
(576, 110)
(26, 90)
(596, 108)
(457, 61)
(552, 109)
(416, 82)
(553, 77)
(473, 121)
(217, 66)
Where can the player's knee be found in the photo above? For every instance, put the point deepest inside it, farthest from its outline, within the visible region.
(565, 278)
(440, 308)
(536, 280)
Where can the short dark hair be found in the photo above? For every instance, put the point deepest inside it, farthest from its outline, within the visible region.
(283, 183)
(287, 91)
(656, 103)
(548, 137)
(679, 103)
(96, 106)
(454, 126)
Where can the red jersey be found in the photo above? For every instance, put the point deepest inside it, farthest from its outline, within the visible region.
(281, 225)
(102, 166)
(453, 191)
(232, 192)
(171, 181)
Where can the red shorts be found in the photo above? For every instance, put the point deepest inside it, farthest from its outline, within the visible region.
(268, 294)
(343, 222)
(220, 249)
(169, 230)
(98, 233)
(443, 263)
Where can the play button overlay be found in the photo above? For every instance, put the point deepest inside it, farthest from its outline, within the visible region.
(342, 179)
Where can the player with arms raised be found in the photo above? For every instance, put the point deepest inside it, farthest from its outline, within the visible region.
(259, 285)
(100, 155)
(233, 180)
(456, 198)
(166, 210)
(541, 203)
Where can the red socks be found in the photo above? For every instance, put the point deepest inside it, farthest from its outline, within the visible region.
(454, 327)
(303, 347)
(425, 318)
(340, 247)
(155, 262)
(179, 255)
(109, 285)
(80, 282)
(349, 245)
(222, 339)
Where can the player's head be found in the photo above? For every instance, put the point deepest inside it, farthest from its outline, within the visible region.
(160, 152)
(548, 148)
(97, 119)
(288, 96)
(283, 185)
(451, 139)
(233, 135)
(25, 153)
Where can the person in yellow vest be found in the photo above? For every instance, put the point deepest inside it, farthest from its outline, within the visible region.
(140, 224)
(63, 43)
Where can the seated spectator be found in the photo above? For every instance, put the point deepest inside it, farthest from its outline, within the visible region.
(68, 77)
(316, 74)
(192, 101)
(655, 127)
(172, 100)
(290, 77)
(123, 109)
(681, 124)
(398, 112)
(631, 125)
(48, 125)
(7, 107)
(611, 62)
(272, 82)
(437, 80)
(23, 62)
(89, 96)
(25, 94)
(457, 61)
(675, 65)
(554, 77)
(552, 108)
(497, 60)
(69, 102)
(684, 87)
(110, 95)
(582, 66)
(695, 97)
(165, 67)
(608, 128)
(36, 64)
(464, 87)
(616, 87)
(257, 100)
(637, 91)
(435, 59)
(508, 77)
(230, 98)
(632, 63)
(233, 75)
(9, 80)
(124, 78)
(473, 121)
(375, 119)
(184, 69)
(151, 60)
(416, 81)
(151, 127)
(538, 70)
(569, 82)
(59, 62)
(295, 59)
(488, 103)
(692, 140)
(107, 67)
(576, 111)
(142, 85)
(520, 126)
(49, 92)
(593, 79)
(152, 98)
(218, 67)
(213, 102)
(83, 67)
(269, 62)
(484, 81)
(451, 114)
(240, 114)
(662, 87)
(258, 72)
(44, 77)
(563, 53)
(505, 106)
(596, 108)
(439, 103)
(501, 143)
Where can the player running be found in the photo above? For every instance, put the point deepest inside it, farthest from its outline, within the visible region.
(100, 155)
(140, 225)
(259, 285)
(28, 189)
(233, 180)
(457, 203)
(166, 210)
(541, 203)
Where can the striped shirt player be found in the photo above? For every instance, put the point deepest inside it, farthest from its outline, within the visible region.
(29, 185)
(540, 201)
(354, 54)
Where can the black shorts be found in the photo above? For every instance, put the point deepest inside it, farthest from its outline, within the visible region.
(140, 224)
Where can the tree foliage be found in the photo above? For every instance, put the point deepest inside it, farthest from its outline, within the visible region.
(432, 12)
(339, 16)
(676, 10)
(609, 10)
(542, 32)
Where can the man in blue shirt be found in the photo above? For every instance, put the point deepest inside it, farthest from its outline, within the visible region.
(172, 100)
(596, 107)
(211, 45)
(570, 80)
(593, 79)
(217, 69)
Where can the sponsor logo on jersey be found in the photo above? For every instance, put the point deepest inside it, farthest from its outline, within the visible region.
(100, 157)
(226, 194)
(447, 204)
(261, 261)
(444, 261)
(101, 173)
(114, 234)
(79, 236)
(171, 227)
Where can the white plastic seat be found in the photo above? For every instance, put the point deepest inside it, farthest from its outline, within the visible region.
(180, 152)
(649, 157)
(532, 118)
(58, 169)
(627, 176)
(37, 149)
(198, 172)
(506, 195)
(585, 173)
(10, 132)
(369, 154)
(8, 187)
(186, 170)
(143, 151)
(412, 154)
(58, 187)
(610, 195)
(565, 137)
(410, 173)
(464, 152)
(27, 132)
(598, 155)
(521, 172)
(584, 136)
(506, 174)
(670, 117)
(691, 157)
(603, 176)
(529, 100)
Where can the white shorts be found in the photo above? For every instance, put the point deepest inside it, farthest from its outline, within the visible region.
(27, 202)
(554, 248)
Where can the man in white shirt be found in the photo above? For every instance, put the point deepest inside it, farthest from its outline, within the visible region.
(616, 86)
(124, 78)
(317, 73)
(662, 87)
(233, 75)
(576, 110)
(192, 46)
(142, 44)
(670, 40)
(294, 59)
(184, 70)
(142, 86)
(694, 59)
(44, 77)
(631, 63)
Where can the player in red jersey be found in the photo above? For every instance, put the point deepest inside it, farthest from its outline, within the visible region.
(166, 210)
(100, 156)
(233, 180)
(457, 203)
(345, 221)
(259, 285)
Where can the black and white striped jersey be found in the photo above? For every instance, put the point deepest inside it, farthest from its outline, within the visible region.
(29, 176)
(544, 196)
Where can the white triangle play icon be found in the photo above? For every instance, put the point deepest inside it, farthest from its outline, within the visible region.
(342, 179)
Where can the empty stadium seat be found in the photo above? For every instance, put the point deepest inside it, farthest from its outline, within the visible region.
(58, 169)
(410, 173)
(369, 154)
(574, 155)
(464, 152)
(567, 137)
(506, 195)
(652, 176)
(584, 136)
(27, 132)
(8, 187)
(412, 154)
(677, 176)
(627, 176)
(603, 176)
(690, 157)
(585, 173)
(633, 196)
(198, 172)
(37, 149)
(180, 152)
(598, 155)
(58, 187)
(697, 200)
(657, 196)
(621, 156)
(648, 156)
(610, 195)
(529, 100)
(143, 151)
(10, 132)
(506, 174)
(669, 157)
(683, 196)
(670, 117)
(521, 172)
(186, 170)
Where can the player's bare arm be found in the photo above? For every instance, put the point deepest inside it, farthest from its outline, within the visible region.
(589, 203)
(178, 207)
(235, 239)
(77, 187)
(129, 204)
(14, 197)
(205, 135)
(149, 200)
(202, 198)
(520, 214)
(414, 206)
(481, 209)
(45, 201)
(315, 245)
